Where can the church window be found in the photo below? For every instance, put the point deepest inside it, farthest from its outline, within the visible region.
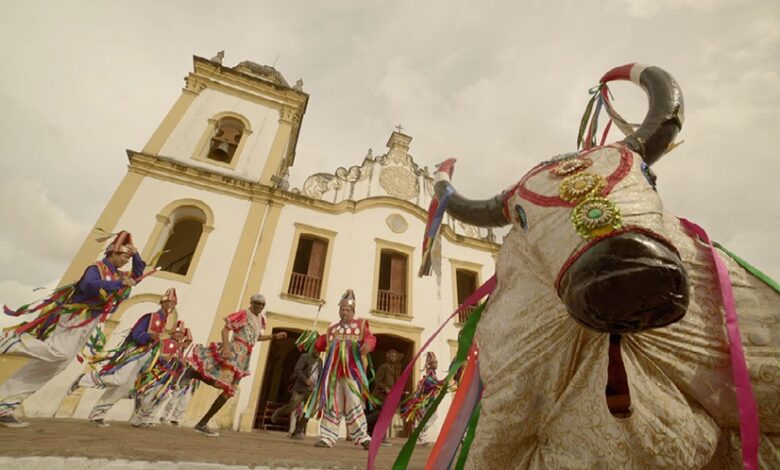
(185, 227)
(465, 284)
(308, 267)
(225, 140)
(392, 287)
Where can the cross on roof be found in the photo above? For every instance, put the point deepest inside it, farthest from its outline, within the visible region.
(399, 128)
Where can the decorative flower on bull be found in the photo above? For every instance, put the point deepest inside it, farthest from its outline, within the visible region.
(600, 289)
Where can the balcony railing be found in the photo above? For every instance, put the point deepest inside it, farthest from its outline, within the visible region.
(304, 286)
(391, 302)
(463, 315)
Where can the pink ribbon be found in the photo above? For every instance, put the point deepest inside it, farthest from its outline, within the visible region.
(394, 397)
(746, 402)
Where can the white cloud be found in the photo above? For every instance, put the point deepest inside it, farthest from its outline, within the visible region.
(37, 235)
(15, 294)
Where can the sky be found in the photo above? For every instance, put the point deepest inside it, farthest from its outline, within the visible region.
(500, 85)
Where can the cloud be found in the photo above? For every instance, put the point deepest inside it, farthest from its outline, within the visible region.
(14, 294)
(651, 8)
(36, 232)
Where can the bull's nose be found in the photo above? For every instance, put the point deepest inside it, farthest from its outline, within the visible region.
(626, 283)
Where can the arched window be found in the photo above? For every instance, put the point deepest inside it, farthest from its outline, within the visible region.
(183, 231)
(180, 247)
(225, 140)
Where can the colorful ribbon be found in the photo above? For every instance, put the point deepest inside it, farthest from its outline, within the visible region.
(746, 402)
(394, 397)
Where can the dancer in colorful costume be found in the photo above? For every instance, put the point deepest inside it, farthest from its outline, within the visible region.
(222, 365)
(121, 366)
(160, 375)
(179, 396)
(343, 384)
(429, 386)
(65, 321)
(307, 371)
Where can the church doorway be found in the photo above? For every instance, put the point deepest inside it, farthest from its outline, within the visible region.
(386, 342)
(274, 391)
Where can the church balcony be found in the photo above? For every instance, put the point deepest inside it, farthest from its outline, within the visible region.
(305, 286)
(391, 302)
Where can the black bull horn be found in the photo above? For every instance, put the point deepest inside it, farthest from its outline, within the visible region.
(650, 140)
(610, 265)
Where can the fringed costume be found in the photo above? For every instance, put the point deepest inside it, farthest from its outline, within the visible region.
(429, 386)
(160, 376)
(210, 362)
(343, 386)
(65, 324)
(121, 366)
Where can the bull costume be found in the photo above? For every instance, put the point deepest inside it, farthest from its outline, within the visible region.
(611, 339)
(223, 365)
(65, 322)
(160, 375)
(120, 367)
(343, 385)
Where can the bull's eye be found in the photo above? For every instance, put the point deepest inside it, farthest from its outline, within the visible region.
(649, 174)
(577, 187)
(596, 216)
(574, 165)
(521, 217)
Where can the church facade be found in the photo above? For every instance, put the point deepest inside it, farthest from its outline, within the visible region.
(210, 191)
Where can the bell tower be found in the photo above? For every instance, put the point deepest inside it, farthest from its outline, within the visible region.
(201, 192)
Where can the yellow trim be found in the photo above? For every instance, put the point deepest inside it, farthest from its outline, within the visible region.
(254, 278)
(277, 153)
(154, 245)
(69, 403)
(201, 149)
(91, 249)
(209, 74)
(169, 123)
(258, 231)
(453, 349)
(234, 282)
(465, 265)
(175, 172)
(409, 252)
(303, 229)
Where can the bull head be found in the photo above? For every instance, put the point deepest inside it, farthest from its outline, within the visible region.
(609, 260)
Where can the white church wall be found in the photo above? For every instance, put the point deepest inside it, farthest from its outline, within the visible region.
(187, 135)
(352, 265)
(198, 299)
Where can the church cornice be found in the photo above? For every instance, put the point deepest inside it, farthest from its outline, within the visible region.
(169, 169)
(206, 69)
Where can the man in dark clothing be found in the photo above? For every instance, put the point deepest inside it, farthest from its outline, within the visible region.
(304, 377)
(386, 376)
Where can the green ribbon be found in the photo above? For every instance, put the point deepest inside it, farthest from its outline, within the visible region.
(749, 268)
(465, 339)
(470, 432)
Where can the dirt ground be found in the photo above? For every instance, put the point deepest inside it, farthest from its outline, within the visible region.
(78, 438)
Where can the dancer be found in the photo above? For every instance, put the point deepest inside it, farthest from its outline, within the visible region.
(429, 386)
(222, 365)
(65, 321)
(121, 368)
(343, 385)
(306, 373)
(160, 375)
(386, 376)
